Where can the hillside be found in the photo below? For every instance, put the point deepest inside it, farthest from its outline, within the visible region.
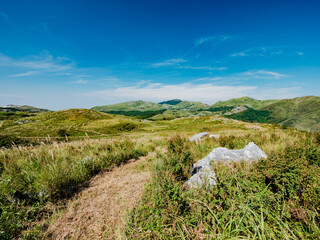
(140, 105)
(74, 123)
(22, 108)
(171, 102)
(245, 101)
(302, 113)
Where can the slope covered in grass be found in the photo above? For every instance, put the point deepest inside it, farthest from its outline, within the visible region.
(301, 113)
(245, 101)
(277, 198)
(70, 123)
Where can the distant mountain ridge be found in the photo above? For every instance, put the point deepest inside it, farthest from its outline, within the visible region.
(23, 108)
(302, 113)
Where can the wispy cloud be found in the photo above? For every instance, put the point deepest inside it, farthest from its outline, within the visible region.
(24, 74)
(258, 52)
(4, 17)
(80, 82)
(208, 93)
(215, 39)
(265, 74)
(170, 62)
(45, 62)
(203, 68)
(300, 53)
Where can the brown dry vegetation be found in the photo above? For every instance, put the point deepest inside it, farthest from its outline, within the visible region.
(98, 212)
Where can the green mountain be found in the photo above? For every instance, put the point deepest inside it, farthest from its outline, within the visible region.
(302, 113)
(130, 106)
(23, 108)
(171, 102)
(245, 101)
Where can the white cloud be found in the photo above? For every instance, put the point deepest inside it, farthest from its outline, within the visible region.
(265, 74)
(203, 68)
(277, 93)
(208, 93)
(44, 62)
(258, 52)
(25, 74)
(80, 82)
(215, 39)
(170, 62)
(300, 53)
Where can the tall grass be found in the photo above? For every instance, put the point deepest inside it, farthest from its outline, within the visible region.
(32, 177)
(277, 198)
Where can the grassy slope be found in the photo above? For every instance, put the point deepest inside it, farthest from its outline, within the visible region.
(73, 123)
(24, 108)
(277, 198)
(302, 113)
(131, 106)
(245, 101)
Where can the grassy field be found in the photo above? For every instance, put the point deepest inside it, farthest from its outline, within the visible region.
(275, 198)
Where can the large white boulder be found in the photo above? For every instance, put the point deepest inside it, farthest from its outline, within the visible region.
(204, 176)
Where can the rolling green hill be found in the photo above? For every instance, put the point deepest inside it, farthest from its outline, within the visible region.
(75, 123)
(131, 106)
(23, 108)
(245, 101)
(171, 102)
(302, 113)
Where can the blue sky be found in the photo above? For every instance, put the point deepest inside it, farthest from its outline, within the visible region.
(70, 54)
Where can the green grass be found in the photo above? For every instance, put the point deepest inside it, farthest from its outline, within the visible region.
(245, 101)
(33, 177)
(277, 198)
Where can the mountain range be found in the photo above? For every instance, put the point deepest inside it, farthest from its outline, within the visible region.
(302, 113)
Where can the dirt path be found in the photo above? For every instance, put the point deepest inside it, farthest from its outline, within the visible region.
(98, 212)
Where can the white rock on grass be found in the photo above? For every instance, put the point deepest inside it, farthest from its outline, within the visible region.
(204, 176)
(198, 137)
(214, 136)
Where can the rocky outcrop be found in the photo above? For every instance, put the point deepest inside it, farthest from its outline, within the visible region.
(204, 176)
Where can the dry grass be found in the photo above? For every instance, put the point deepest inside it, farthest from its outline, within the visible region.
(98, 212)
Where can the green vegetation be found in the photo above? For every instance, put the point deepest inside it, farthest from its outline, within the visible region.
(14, 115)
(130, 106)
(274, 198)
(300, 113)
(33, 177)
(171, 102)
(24, 108)
(277, 198)
(138, 114)
(245, 101)
(73, 123)
(252, 115)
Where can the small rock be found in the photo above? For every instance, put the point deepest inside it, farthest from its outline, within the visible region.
(214, 136)
(198, 137)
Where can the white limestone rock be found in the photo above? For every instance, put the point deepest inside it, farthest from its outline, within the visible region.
(198, 137)
(204, 176)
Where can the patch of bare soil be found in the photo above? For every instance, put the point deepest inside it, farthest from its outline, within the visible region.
(98, 212)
